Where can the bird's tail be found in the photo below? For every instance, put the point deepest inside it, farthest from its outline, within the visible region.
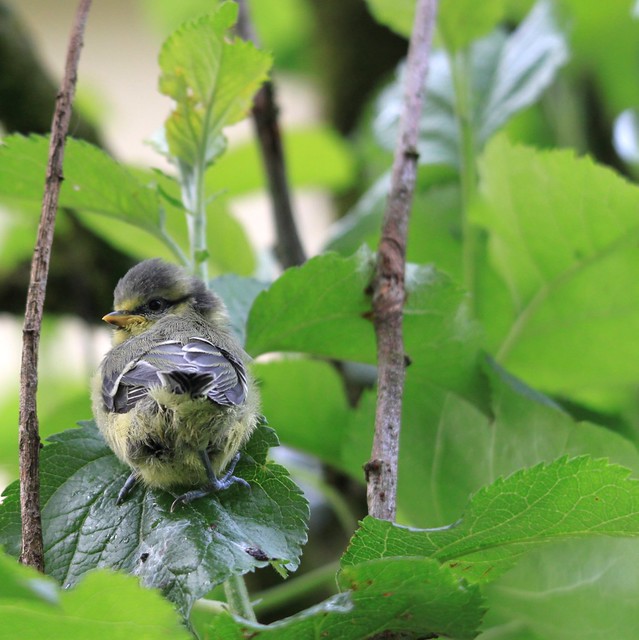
(196, 385)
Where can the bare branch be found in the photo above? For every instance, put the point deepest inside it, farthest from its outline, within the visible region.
(289, 248)
(29, 440)
(388, 285)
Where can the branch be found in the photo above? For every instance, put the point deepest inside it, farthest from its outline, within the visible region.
(29, 440)
(388, 285)
(289, 248)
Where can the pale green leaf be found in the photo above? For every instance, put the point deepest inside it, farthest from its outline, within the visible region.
(229, 248)
(462, 21)
(573, 589)
(450, 447)
(103, 606)
(212, 78)
(562, 233)
(396, 14)
(576, 497)
(238, 294)
(94, 182)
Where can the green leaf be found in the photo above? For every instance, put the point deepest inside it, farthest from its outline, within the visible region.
(309, 416)
(238, 294)
(184, 553)
(317, 308)
(18, 582)
(412, 596)
(462, 21)
(575, 497)
(573, 589)
(212, 78)
(19, 230)
(93, 181)
(230, 249)
(322, 308)
(103, 606)
(450, 447)
(567, 254)
(507, 74)
(397, 15)
(604, 42)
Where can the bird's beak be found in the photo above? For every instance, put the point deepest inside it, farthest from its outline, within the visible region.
(122, 318)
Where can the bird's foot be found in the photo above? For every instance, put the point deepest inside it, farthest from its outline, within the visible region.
(215, 484)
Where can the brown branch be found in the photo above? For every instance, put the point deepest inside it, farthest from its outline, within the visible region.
(289, 248)
(388, 285)
(32, 552)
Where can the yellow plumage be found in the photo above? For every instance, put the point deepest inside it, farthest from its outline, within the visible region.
(173, 398)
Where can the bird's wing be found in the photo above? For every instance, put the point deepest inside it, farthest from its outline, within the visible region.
(198, 367)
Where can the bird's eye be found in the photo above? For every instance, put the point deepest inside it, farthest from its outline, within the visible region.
(157, 304)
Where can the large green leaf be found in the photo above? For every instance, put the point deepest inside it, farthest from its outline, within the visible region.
(212, 78)
(507, 74)
(317, 308)
(450, 447)
(322, 308)
(576, 497)
(96, 184)
(93, 181)
(562, 233)
(412, 596)
(103, 606)
(306, 399)
(184, 553)
(577, 588)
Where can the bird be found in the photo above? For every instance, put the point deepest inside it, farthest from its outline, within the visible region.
(173, 397)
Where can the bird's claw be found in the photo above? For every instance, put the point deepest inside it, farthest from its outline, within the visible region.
(220, 484)
(214, 485)
(126, 489)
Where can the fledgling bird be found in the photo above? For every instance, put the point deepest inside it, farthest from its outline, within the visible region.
(173, 398)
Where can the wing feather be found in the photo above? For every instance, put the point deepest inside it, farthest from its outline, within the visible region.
(198, 367)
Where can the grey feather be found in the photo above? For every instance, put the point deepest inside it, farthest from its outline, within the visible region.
(198, 368)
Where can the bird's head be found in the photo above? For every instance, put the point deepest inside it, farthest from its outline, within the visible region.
(152, 290)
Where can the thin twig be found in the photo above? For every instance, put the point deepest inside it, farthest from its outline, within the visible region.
(388, 285)
(32, 552)
(288, 247)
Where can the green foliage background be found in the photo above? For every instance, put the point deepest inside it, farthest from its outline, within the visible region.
(517, 498)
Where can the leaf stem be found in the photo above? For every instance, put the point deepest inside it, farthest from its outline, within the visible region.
(296, 588)
(333, 497)
(193, 196)
(170, 242)
(460, 65)
(238, 599)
